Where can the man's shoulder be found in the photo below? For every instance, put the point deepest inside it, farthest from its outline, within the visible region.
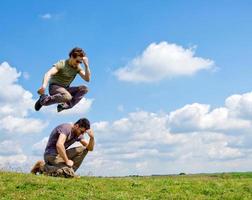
(64, 128)
(65, 125)
(60, 64)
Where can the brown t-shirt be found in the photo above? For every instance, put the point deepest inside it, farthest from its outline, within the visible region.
(66, 73)
(65, 129)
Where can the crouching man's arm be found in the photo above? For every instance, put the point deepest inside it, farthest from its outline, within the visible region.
(62, 151)
(90, 144)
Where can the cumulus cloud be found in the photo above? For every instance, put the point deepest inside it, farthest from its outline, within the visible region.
(11, 155)
(39, 147)
(17, 125)
(240, 105)
(46, 16)
(13, 161)
(191, 139)
(81, 108)
(198, 117)
(148, 141)
(161, 61)
(194, 138)
(14, 99)
(9, 147)
(15, 104)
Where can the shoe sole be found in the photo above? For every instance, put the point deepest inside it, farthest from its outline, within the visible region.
(37, 105)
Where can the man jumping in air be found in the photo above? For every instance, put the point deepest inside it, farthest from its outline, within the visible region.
(60, 76)
(58, 159)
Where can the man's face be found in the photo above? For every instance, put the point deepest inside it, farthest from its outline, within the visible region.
(77, 60)
(78, 130)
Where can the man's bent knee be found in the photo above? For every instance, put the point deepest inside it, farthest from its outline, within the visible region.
(80, 149)
(83, 89)
(67, 97)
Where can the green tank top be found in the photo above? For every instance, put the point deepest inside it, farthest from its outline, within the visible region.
(65, 75)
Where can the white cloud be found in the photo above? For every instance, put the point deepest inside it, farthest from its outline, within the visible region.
(221, 151)
(193, 139)
(197, 117)
(39, 147)
(14, 99)
(52, 16)
(101, 126)
(240, 105)
(46, 16)
(17, 125)
(161, 61)
(26, 75)
(12, 157)
(9, 147)
(81, 108)
(13, 161)
(15, 104)
(148, 141)
(8, 74)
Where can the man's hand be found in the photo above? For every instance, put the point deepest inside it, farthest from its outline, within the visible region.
(41, 90)
(69, 163)
(90, 133)
(85, 60)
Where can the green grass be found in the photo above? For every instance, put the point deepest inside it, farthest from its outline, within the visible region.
(203, 186)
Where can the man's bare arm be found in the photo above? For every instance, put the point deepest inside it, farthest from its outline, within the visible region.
(91, 142)
(84, 143)
(62, 151)
(46, 79)
(85, 74)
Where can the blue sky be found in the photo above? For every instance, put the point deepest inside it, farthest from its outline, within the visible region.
(184, 61)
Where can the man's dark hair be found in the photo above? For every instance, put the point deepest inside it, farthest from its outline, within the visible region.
(77, 52)
(84, 123)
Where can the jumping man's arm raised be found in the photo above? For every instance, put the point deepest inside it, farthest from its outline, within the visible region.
(85, 74)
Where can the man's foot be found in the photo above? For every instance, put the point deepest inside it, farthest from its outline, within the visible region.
(38, 104)
(77, 176)
(38, 167)
(60, 107)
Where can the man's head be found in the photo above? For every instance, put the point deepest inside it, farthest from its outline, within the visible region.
(81, 126)
(76, 55)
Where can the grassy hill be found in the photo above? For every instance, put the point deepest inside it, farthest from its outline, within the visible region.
(203, 186)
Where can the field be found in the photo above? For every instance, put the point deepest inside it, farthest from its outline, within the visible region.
(202, 186)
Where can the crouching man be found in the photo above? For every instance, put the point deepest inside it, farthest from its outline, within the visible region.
(60, 161)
